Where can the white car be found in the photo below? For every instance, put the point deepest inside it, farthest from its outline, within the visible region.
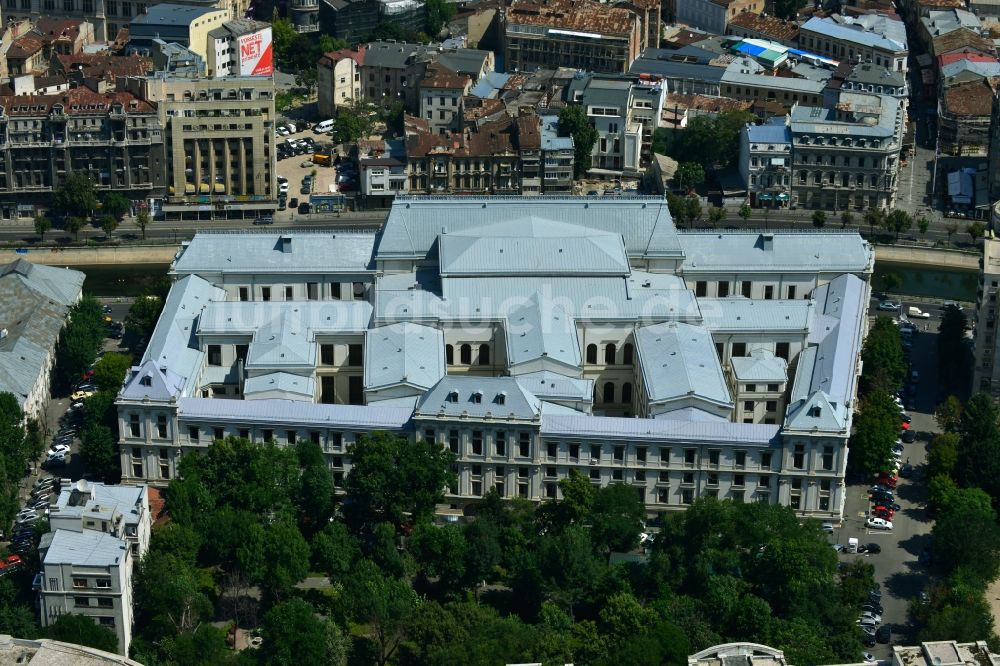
(282, 130)
(283, 188)
(878, 524)
(868, 657)
(875, 617)
(25, 516)
(58, 449)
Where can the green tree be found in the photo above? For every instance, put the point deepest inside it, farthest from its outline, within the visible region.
(716, 215)
(293, 634)
(42, 225)
(206, 646)
(979, 450)
(384, 604)
(949, 414)
(108, 224)
(874, 218)
(874, 434)
(391, 477)
(975, 230)
(959, 620)
(143, 315)
(99, 452)
(354, 121)
(439, 13)
(315, 497)
(110, 371)
(967, 539)
(74, 224)
(82, 630)
(819, 218)
(954, 360)
(788, 9)
(616, 518)
(440, 553)
(78, 342)
(661, 141)
(573, 122)
(693, 206)
(714, 139)
(335, 551)
(846, 219)
(142, 220)
(690, 175)
(943, 455)
(897, 221)
(882, 354)
(890, 282)
(286, 558)
(170, 595)
(951, 228)
(76, 196)
(923, 224)
(678, 208)
(745, 212)
(567, 567)
(116, 205)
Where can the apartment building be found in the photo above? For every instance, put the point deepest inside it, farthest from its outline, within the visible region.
(750, 24)
(766, 163)
(98, 535)
(847, 157)
(529, 335)
(441, 92)
(116, 138)
(873, 38)
(338, 79)
(714, 15)
(356, 20)
(241, 47)
(581, 34)
(188, 25)
(965, 112)
(219, 138)
(986, 369)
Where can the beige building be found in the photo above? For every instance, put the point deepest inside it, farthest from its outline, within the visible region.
(219, 136)
(441, 93)
(984, 320)
(714, 15)
(338, 79)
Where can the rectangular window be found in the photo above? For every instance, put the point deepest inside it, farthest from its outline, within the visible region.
(764, 482)
(664, 455)
(312, 291)
(161, 426)
(771, 405)
(290, 436)
(595, 452)
(355, 390)
(268, 435)
(335, 290)
(551, 450)
(524, 445)
(745, 287)
(773, 388)
(740, 458)
(314, 436)
(500, 443)
(133, 425)
(241, 352)
(739, 349)
(477, 442)
(103, 602)
(713, 457)
(765, 459)
(215, 354)
(326, 354)
(738, 480)
(289, 293)
(798, 457)
(218, 433)
(619, 454)
(453, 441)
(768, 292)
(781, 350)
(700, 288)
(748, 405)
(265, 293)
(574, 452)
(244, 294)
(791, 291)
(193, 433)
(244, 433)
(723, 289)
(81, 602)
(355, 356)
(640, 454)
(689, 456)
(828, 457)
(79, 583)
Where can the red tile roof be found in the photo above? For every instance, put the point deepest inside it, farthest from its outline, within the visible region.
(105, 65)
(76, 101)
(25, 46)
(443, 78)
(580, 15)
(357, 54)
(971, 56)
(768, 26)
(973, 99)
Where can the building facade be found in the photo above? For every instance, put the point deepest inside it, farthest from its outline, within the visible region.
(188, 25)
(847, 157)
(219, 136)
(986, 368)
(338, 79)
(441, 93)
(766, 163)
(531, 336)
(873, 38)
(582, 35)
(714, 15)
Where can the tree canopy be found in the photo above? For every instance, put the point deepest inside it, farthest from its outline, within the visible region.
(76, 196)
(712, 141)
(573, 122)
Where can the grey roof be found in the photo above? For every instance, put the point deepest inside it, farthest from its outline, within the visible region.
(942, 21)
(690, 414)
(868, 73)
(238, 27)
(825, 373)
(867, 30)
(172, 347)
(414, 223)
(775, 82)
(723, 432)
(736, 313)
(85, 498)
(87, 548)
(549, 385)
(271, 411)
(499, 397)
(760, 366)
(532, 246)
(33, 307)
(983, 69)
(645, 297)
(774, 131)
(606, 92)
(255, 252)
(151, 381)
(489, 85)
(541, 330)
(462, 61)
(679, 360)
(817, 121)
(394, 55)
(167, 14)
(691, 63)
(810, 252)
(551, 140)
(293, 387)
(403, 354)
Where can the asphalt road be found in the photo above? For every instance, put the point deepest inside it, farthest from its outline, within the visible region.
(897, 568)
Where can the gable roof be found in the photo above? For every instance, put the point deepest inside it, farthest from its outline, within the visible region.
(541, 330)
(293, 387)
(707, 251)
(679, 360)
(499, 397)
(549, 385)
(403, 354)
(414, 223)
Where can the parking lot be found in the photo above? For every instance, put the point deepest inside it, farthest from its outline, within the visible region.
(296, 167)
(897, 568)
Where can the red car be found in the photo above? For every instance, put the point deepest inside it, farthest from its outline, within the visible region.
(9, 564)
(889, 481)
(883, 512)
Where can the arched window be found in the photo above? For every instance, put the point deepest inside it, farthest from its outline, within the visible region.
(449, 354)
(465, 352)
(591, 354)
(609, 354)
(609, 392)
(628, 353)
(484, 354)
(626, 393)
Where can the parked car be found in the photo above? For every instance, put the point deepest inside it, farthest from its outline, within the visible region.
(906, 471)
(917, 313)
(81, 395)
(827, 527)
(884, 633)
(908, 436)
(57, 449)
(873, 523)
(882, 512)
(872, 606)
(888, 306)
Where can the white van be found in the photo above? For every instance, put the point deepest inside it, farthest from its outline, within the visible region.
(917, 313)
(323, 127)
(292, 128)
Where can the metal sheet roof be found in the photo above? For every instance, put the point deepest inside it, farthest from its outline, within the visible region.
(760, 366)
(886, 34)
(403, 353)
(811, 252)
(549, 385)
(293, 387)
(414, 223)
(775, 131)
(744, 314)
(259, 252)
(662, 430)
(498, 397)
(541, 330)
(272, 411)
(679, 360)
(86, 548)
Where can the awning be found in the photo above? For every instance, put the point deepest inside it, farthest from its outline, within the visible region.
(783, 196)
(765, 197)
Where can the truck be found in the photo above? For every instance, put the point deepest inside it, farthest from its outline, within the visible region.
(322, 160)
(852, 545)
(917, 313)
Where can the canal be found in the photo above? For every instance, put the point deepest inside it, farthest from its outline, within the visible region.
(120, 280)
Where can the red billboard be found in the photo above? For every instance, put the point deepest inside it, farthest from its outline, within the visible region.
(256, 54)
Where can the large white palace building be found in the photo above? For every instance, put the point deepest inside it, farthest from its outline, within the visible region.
(531, 336)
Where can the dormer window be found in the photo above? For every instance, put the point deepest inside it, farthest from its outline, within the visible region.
(146, 381)
(501, 398)
(477, 398)
(815, 411)
(453, 396)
